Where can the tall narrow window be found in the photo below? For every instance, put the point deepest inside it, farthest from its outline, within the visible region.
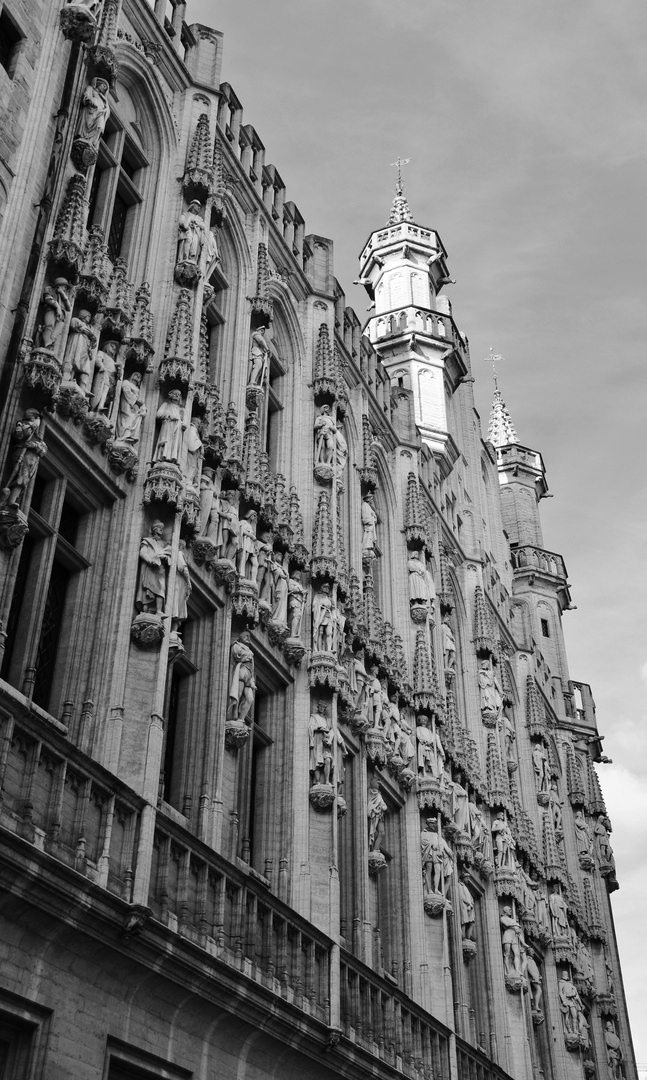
(115, 189)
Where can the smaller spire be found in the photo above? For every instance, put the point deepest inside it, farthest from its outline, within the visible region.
(400, 207)
(501, 430)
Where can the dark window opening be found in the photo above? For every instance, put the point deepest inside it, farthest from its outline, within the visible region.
(16, 606)
(117, 227)
(50, 634)
(68, 526)
(172, 712)
(94, 194)
(10, 39)
(545, 630)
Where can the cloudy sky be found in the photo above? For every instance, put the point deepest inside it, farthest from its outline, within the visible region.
(526, 126)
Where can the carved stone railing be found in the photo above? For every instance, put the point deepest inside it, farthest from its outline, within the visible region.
(384, 1021)
(235, 918)
(529, 557)
(473, 1065)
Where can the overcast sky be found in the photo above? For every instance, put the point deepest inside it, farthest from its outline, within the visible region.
(526, 126)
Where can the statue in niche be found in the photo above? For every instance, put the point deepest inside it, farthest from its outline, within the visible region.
(213, 255)
(614, 1051)
(431, 754)
(323, 620)
(609, 973)
(540, 764)
(325, 437)
(555, 806)
(601, 833)
(260, 350)
(468, 916)
(78, 361)
(155, 559)
(542, 912)
(392, 729)
(340, 627)
(529, 894)
(322, 763)
(369, 527)
(449, 643)
(224, 526)
(182, 590)
(194, 454)
(243, 686)
(511, 941)
(406, 746)
(584, 961)
(246, 560)
(169, 440)
(263, 573)
(55, 303)
(29, 449)
(571, 1006)
(375, 700)
(280, 590)
(296, 603)
(459, 804)
(106, 373)
(558, 914)
(478, 830)
(359, 686)
(531, 971)
(504, 846)
(490, 698)
(437, 859)
(191, 234)
(375, 809)
(422, 590)
(510, 736)
(130, 410)
(583, 835)
(94, 112)
(341, 451)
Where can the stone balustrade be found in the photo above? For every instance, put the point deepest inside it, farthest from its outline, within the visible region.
(529, 557)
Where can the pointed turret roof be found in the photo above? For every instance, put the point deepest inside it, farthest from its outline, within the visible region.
(501, 430)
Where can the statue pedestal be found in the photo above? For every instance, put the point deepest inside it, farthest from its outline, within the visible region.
(376, 863)
(435, 904)
(147, 630)
(13, 528)
(322, 796)
(236, 734)
(469, 950)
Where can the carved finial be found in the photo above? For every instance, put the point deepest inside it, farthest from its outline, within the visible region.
(177, 365)
(198, 175)
(400, 208)
(535, 711)
(425, 683)
(252, 461)
(484, 642)
(497, 781)
(552, 862)
(501, 430)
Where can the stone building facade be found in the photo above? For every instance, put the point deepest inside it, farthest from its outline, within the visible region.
(294, 777)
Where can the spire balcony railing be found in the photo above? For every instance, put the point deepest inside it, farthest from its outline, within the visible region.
(527, 557)
(421, 321)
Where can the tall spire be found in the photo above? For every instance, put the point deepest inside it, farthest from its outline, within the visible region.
(501, 431)
(400, 208)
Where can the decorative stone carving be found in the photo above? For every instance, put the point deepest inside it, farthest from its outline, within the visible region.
(532, 975)
(422, 591)
(191, 238)
(468, 920)
(323, 620)
(95, 111)
(54, 304)
(615, 1056)
(573, 1018)
(322, 758)
(296, 603)
(169, 439)
(449, 645)
(27, 451)
(511, 939)
(369, 527)
(198, 175)
(504, 845)
(154, 557)
(78, 362)
(79, 20)
(583, 840)
(177, 367)
(558, 914)
(246, 558)
(490, 697)
(437, 867)
(325, 430)
(555, 805)
(130, 410)
(242, 686)
(604, 850)
(106, 373)
(540, 765)
(376, 808)
(261, 348)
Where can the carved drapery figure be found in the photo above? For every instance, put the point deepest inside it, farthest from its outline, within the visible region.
(468, 917)
(533, 975)
(421, 584)
(169, 440)
(406, 746)
(106, 373)
(375, 809)
(246, 560)
(601, 834)
(325, 437)
(510, 736)
(260, 350)
(94, 112)
(321, 736)
(583, 835)
(614, 1051)
(191, 234)
(504, 845)
(28, 450)
(280, 591)
(182, 589)
(571, 1006)
(242, 687)
(555, 806)
(558, 914)
(296, 603)
(491, 700)
(263, 573)
(131, 410)
(511, 941)
(341, 450)
(432, 864)
(478, 830)
(78, 361)
(459, 805)
(224, 526)
(375, 700)
(449, 644)
(323, 620)
(431, 754)
(155, 558)
(55, 304)
(369, 526)
(540, 764)
(359, 686)
(340, 625)
(194, 455)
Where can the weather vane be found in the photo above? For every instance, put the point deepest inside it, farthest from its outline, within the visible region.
(398, 165)
(492, 359)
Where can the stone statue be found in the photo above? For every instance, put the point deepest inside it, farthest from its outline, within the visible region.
(601, 834)
(359, 684)
(55, 303)
(194, 455)
(555, 806)
(323, 620)
(130, 410)
(376, 809)
(504, 845)
(78, 361)
(533, 975)
(322, 762)
(614, 1051)
(459, 805)
(279, 591)
(28, 450)
(491, 701)
(263, 574)
(570, 1004)
(558, 914)
(449, 643)
(325, 437)
(260, 350)
(182, 589)
(296, 603)
(540, 763)
(421, 584)
(191, 234)
(169, 440)
(432, 865)
(242, 687)
(341, 450)
(511, 941)
(94, 112)
(478, 831)
(155, 558)
(468, 917)
(340, 626)
(510, 736)
(224, 526)
(375, 699)
(106, 373)
(406, 746)
(213, 255)
(431, 754)
(583, 835)
(542, 912)
(246, 560)
(369, 526)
